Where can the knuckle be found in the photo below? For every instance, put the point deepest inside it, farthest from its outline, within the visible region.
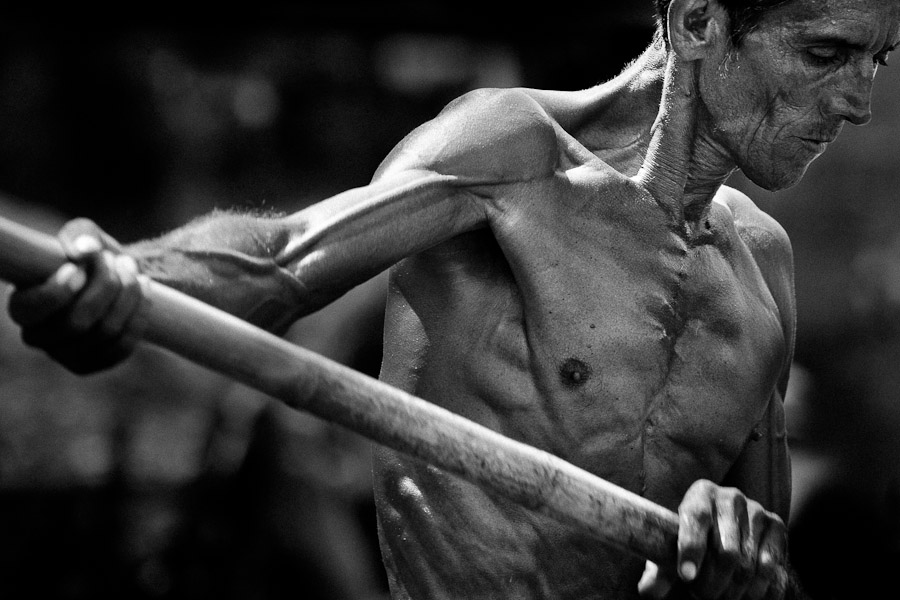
(76, 226)
(703, 485)
(762, 519)
(696, 517)
(778, 526)
(731, 495)
(73, 229)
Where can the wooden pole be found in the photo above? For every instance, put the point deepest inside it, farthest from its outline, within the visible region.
(305, 380)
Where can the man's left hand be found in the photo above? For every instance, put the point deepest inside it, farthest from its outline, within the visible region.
(729, 546)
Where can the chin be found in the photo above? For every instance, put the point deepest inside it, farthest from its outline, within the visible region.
(777, 179)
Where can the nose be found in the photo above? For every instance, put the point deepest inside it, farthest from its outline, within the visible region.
(852, 100)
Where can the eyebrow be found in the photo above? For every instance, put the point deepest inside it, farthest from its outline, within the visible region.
(835, 40)
(843, 42)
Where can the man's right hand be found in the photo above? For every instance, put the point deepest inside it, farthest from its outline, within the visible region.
(84, 315)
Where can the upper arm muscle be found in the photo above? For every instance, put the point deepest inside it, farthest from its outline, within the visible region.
(763, 470)
(771, 249)
(437, 184)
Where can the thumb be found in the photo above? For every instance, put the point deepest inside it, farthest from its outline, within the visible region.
(653, 584)
(665, 168)
(82, 237)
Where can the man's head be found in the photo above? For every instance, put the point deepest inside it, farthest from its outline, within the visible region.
(777, 79)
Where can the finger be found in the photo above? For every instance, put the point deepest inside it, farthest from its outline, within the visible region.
(84, 247)
(102, 339)
(98, 296)
(765, 589)
(773, 547)
(120, 320)
(759, 584)
(665, 167)
(81, 237)
(714, 575)
(695, 522)
(733, 523)
(728, 569)
(31, 305)
(654, 584)
(771, 573)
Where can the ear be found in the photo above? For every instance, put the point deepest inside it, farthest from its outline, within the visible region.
(695, 27)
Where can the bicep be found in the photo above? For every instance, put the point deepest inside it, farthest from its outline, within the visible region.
(344, 240)
(443, 180)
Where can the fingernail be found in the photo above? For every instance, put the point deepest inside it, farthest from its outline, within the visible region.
(64, 273)
(688, 571)
(86, 244)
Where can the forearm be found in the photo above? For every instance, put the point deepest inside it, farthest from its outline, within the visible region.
(227, 259)
(271, 271)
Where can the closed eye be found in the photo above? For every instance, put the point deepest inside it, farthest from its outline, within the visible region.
(825, 55)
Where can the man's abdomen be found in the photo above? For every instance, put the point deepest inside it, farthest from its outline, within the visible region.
(443, 537)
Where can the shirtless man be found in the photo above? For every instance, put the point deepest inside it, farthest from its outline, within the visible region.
(568, 269)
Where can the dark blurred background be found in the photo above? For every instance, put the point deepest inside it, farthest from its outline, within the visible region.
(159, 479)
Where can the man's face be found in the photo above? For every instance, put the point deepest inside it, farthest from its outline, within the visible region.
(774, 102)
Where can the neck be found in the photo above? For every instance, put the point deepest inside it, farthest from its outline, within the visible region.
(642, 85)
(710, 167)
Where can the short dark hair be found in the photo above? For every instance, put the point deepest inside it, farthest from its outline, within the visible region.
(744, 15)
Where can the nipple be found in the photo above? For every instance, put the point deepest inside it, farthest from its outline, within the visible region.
(574, 373)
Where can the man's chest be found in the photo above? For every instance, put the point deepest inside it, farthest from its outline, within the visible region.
(633, 331)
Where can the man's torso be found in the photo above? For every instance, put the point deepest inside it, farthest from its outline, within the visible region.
(588, 326)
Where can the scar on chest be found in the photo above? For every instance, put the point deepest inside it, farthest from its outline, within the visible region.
(574, 373)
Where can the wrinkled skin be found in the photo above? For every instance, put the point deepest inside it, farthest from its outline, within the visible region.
(805, 71)
(568, 269)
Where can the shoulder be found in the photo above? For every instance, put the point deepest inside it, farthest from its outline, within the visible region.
(771, 249)
(492, 135)
(764, 236)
